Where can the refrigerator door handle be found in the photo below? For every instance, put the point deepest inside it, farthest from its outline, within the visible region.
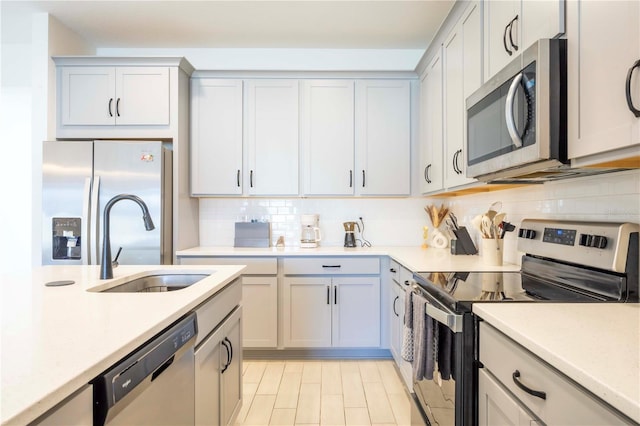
(85, 249)
(95, 215)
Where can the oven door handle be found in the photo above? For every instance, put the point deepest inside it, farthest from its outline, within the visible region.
(508, 111)
(452, 321)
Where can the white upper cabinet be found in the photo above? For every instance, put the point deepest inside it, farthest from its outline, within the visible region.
(272, 137)
(603, 46)
(510, 26)
(462, 62)
(383, 137)
(327, 129)
(216, 137)
(431, 142)
(107, 96)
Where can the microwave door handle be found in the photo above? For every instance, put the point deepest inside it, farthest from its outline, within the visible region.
(508, 111)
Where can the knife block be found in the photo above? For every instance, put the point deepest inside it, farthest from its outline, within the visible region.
(463, 243)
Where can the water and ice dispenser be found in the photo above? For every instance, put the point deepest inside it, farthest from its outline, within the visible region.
(66, 238)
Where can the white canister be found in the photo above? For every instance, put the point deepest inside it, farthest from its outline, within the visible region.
(492, 249)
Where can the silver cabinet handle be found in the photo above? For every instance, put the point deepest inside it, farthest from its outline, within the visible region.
(508, 111)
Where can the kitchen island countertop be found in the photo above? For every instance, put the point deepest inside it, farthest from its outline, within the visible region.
(57, 339)
(415, 259)
(595, 344)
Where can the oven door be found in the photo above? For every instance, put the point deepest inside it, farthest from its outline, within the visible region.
(448, 398)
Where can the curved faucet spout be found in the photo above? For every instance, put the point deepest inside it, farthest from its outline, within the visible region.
(106, 268)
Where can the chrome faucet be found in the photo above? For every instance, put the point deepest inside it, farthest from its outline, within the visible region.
(106, 268)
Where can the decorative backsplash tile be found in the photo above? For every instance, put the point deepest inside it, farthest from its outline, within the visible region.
(399, 221)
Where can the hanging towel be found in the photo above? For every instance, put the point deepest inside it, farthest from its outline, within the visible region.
(445, 352)
(407, 329)
(423, 346)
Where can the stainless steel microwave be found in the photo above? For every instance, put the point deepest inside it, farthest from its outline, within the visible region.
(517, 120)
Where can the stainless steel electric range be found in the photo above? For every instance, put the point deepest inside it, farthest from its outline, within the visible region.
(563, 261)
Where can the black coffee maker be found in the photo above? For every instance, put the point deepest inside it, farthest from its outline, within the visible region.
(350, 236)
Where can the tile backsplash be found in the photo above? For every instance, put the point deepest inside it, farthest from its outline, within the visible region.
(399, 221)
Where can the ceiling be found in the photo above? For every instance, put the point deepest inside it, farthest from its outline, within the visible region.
(326, 24)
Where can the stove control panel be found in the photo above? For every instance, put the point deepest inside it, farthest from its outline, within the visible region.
(596, 241)
(603, 245)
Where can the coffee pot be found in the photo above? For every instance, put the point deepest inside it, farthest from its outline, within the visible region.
(310, 234)
(349, 236)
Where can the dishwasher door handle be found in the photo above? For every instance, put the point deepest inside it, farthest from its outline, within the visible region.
(162, 367)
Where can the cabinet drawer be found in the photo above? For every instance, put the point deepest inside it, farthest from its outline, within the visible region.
(406, 276)
(332, 266)
(211, 313)
(255, 265)
(394, 270)
(566, 402)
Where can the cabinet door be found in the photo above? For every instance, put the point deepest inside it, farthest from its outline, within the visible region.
(142, 96)
(328, 137)
(306, 312)
(462, 61)
(356, 312)
(210, 358)
(216, 137)
(260, 300)
(603, 43)
(396, 305)
(542, 19)
(87, 96)
(231, 375)
(496, 406)
(272, 122)
(383, 137)
(498, 34)
(431, 172)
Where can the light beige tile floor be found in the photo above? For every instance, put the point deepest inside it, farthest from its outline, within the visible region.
(323, 393)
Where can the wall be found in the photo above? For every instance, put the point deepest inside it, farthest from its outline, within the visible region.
(398, 222)
(28, 118)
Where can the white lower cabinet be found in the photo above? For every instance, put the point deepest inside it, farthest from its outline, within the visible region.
(218, 357)
(218, 374)
(400, 282)
(260, 302)
(331, 312)
(516, 387)
(497, 407)
(259, 296)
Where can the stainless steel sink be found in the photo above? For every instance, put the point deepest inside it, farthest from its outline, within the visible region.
(157, 283)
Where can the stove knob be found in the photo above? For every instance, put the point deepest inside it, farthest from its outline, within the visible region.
(599, 241)
(527, 233)
(586, 240)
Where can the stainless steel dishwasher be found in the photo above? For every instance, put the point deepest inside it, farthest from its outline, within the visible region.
(154, 385)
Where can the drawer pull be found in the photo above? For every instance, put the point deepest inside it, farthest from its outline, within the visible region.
(393, 271)
(516, 379)
(330, 266)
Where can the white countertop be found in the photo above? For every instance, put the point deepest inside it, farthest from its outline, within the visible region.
(415, 259)
(595, 344)
(56, 339)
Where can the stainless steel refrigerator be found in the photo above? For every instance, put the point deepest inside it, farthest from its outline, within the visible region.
(80, 177)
